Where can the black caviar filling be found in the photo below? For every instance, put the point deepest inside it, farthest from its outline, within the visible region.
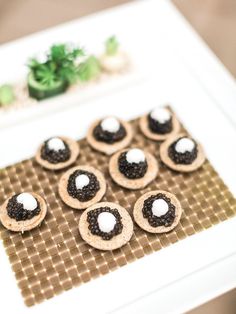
(164, 220)
(16, 210)
(132, 170)
(160, 128)
(186, 158)
(54, 157)
(92, 217)
(109, 137)
(87, 192)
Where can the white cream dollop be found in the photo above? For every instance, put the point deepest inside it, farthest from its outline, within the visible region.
(106, 221)
(160, 114)
(110, 124)
(81, 181)
(184, 145)
(159, 207)
(56, 144)
(27, 200)
(135, 155)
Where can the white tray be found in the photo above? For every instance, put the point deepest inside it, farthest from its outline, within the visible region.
(177, 67)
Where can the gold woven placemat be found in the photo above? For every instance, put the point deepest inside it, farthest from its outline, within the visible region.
(53, 257)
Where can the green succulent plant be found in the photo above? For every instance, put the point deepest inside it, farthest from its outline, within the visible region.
(89, 69)
(7, 95)
(111, 46)
(59, 66)
(56, 73)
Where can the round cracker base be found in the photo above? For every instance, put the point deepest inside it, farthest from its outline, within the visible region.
(197, 163)
(143, 124)
(110, 149)
(118, 240)
(24, 225)
(143, 222)
(74, 202)
(74, 148)
(133, 184)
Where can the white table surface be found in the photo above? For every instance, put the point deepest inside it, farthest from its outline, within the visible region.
(175, 66)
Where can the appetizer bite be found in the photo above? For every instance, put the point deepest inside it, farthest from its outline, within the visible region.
(157, 211)
(109, 135)
(159, 124)
(113, 60)
(133, 168)
(182, 153)
(82, 186)
(57, 153)
(23, 212)
(53, 75)
(106, 226)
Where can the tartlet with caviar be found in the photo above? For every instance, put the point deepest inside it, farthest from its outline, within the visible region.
(133, 168)
(109, 135)
(57, 153)
(82, 186)
(106, 226)
(157, 211)
(159, 124)
(182, 153)
(22, 212)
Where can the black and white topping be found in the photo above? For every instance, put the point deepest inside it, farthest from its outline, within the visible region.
(55, 150)
(83, 185)
(183, 151)
(109, 130)
(132, 163)
(160, 120)
(105, 222)
(22, 207)
(159, 210)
